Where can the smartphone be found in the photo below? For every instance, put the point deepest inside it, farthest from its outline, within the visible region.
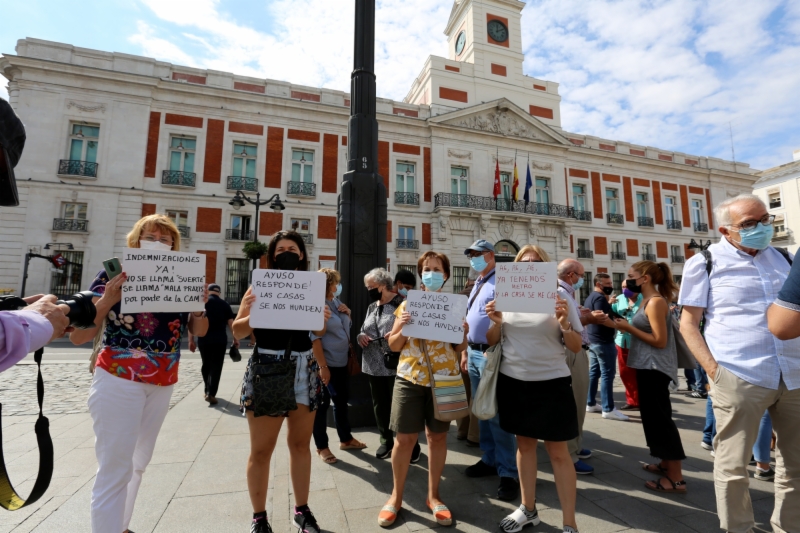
(113, 268)
(613, 315)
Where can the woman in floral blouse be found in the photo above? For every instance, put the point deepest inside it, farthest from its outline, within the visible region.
(412, 402)
(134, 374)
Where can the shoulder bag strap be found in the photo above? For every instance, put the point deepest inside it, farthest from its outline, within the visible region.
(480, 288)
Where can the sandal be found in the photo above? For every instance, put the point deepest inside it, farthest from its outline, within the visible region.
(655, 468)
(327, 458)
(387, 516)
(441, 513)
(658, 487)
(352, 444)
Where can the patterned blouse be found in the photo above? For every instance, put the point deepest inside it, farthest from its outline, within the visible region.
(143, 347)
(414, 368)
(378, 323)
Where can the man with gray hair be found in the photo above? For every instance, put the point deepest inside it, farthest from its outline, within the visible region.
(731, 286)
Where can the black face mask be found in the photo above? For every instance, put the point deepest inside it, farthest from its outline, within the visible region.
(374, 294)
(632, 286)
(608, 290)
(287, 261)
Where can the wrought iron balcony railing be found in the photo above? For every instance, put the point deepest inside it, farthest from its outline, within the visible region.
(678, 259)
(700, 227)
(177, 178)
(774, 203)
(240, 183)
(618, 256)
(70, 224)
(645, 222)
(238, 235)
(674, 224)
(184, 231)
(586, 216)
(406, 198)
(301, 188)
(615, 218)
(487, 203)
(780, 235)
(407, 244)
(585, 254)
(648, 257)
(72, 167)
(307, 238)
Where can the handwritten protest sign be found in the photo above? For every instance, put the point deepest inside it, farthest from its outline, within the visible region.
(436, 316)
(288, 299)
(172, 282)
(526, 287)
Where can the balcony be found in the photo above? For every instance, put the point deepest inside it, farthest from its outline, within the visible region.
(177, 178)
(487, 203)
(585, 254)
(238, 235)
(674, 224)
(774, 203)
(645, 222)
(585, 216)
(307, 238)
(678, 259)
(649, 257)
(618, 256)
(70, 224)
(240, 183)
(71, 167)
(614, 218)
(406, 198)
(184, 231)
(700, 227)
(780, 235)
(407, 244)
(301, 188)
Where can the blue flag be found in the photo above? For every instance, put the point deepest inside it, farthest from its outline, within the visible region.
(528, 185)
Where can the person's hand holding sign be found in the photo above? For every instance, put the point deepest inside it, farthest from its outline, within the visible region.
(405, 318)
(561, 313)
(494, 316)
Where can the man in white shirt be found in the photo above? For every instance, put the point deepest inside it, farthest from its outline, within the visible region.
(750, 369)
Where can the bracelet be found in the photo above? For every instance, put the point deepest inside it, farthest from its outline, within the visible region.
(326, 366)
(568, 329)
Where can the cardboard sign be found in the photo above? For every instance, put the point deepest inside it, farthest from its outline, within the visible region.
(526, 287)
(436, 316)
(288, 299)
(162, 282)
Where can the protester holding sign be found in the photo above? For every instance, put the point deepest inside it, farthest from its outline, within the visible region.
(534, 391)
(284, 379)
(412, 402)
(144, 349)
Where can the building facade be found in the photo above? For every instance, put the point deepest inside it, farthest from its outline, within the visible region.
(779, 187)
(112, 137)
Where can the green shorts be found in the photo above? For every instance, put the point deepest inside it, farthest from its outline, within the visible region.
(412, 409)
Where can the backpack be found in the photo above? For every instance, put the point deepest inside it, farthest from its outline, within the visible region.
(783, 251)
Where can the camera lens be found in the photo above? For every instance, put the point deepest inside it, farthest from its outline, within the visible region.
(82, 311)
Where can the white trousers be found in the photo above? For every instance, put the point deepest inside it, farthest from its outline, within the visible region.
(127, 418)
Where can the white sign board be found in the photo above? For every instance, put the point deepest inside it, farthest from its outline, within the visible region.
(162, 282)
(526, 287)
(436, 316)
(288, 299)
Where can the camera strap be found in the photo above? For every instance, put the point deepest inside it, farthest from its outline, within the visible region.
(9, 499)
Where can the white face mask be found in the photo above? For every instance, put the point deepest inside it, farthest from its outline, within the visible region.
(154, 245)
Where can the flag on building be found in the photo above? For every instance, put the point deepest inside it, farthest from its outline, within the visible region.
(516, 182)
(528, 185)
(497, 189)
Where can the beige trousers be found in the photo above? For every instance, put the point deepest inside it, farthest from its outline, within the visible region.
(468, 426)
(738, 408)
(578, 364)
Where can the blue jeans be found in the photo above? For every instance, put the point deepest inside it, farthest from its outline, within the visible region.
(499, 447)
(700, 379)
(764, 439)
(602, 367)
(710, 429)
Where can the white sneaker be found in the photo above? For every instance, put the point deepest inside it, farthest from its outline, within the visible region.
(615, 415)
(713, 453)
(706, 446)
(594, 408)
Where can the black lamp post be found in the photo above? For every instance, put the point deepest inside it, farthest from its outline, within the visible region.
(31, 255)
(698, 246)
(274, 203)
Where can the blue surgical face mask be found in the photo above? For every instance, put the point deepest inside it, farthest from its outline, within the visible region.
(577, 286)
(403, 292)
(757, 238)
(338, 291)
(433, 280)
(478, 263)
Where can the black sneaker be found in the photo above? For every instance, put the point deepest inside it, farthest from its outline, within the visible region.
(508, 489)
(416, 453)
(305, 522)
(480, 469)
(383, 451)
(768, 475)
(262, 526)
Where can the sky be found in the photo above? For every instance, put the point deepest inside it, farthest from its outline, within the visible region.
(693, 76)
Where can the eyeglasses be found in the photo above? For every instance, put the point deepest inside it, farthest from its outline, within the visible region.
(767, 220)
(162, 240)
(475, 253)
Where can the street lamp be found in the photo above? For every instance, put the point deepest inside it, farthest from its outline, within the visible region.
(237, 202)
(698, 246)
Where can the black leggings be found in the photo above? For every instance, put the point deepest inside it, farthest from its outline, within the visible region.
(660, 430)
(338, 391)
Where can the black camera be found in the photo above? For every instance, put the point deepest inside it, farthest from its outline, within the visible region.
(82, 311)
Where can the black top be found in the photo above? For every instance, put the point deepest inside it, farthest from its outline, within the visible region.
(218, 312)
(598, 334)
(278, 339)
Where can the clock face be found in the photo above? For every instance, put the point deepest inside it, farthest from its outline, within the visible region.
(497, 31)
(460, 42)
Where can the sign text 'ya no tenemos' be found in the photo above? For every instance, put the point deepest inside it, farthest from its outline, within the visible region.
(162, 282)
(436, 316)
(526, 287)
(288, 299)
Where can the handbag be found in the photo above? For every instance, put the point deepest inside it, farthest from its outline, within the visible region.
(391, 359)
(273, 383)
(234, 354)
(685, 356)
(353, 366)
(484, 403)
(448, 393)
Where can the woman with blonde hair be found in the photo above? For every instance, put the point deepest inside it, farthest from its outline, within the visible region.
(132, 385)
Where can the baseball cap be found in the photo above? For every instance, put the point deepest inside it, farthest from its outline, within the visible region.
(213, 287)
(480, 246)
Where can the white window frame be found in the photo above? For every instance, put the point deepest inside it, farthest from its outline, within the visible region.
(778, 197)
(586, 246)
(244, 159)
(406, 176)
(85, 140)
(183, 151)
(616, 247)
(175, 215)
(542, 190)
(697, 211)
(462, 179)
(241, 218)
(615, 199)
(302, 163)
(401, 229)
(642, 204)
(671, 210)
(299, 229)
(76, 211)
(647, 248)
(675, 251)
(780, 224)
(581, 195)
